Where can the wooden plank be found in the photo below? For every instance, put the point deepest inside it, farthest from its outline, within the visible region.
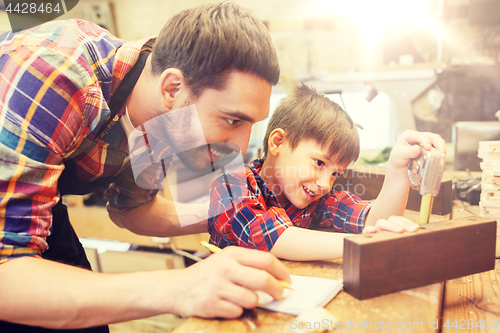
(472, 303)
(366, 182)
(414, 308)
(462, 210)
(385, 262)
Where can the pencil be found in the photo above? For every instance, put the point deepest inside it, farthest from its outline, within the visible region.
(214, 249)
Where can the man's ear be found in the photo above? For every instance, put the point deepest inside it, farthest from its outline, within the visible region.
(275, 141)
(170, 83)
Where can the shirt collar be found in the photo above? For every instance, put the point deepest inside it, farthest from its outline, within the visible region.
(256, 166)
(126, 57)
(126, 123)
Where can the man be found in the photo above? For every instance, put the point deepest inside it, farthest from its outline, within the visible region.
(70, 93)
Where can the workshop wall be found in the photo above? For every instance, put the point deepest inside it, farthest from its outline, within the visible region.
(311, 38)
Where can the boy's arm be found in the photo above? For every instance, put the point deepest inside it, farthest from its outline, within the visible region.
(339, 210)
(393, 196)
(301, 244)
(238, 217)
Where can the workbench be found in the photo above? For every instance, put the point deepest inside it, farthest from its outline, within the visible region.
(463, 304)
(467, 299)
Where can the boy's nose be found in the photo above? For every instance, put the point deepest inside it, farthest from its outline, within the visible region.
(323, 182)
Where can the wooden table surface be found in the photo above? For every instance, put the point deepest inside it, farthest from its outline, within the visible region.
(464, 304)
(472, 301)
(467, 304)
(411, 307)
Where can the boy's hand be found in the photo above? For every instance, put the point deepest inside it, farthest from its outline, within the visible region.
(393, 196)
(396, 224)
(408, 147)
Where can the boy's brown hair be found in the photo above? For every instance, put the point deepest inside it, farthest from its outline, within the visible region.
(305, 115)
(211, 40)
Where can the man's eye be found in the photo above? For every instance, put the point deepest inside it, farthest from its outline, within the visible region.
(320, 163)
(232, 121)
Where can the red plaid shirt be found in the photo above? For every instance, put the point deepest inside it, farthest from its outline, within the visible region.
(245, 212)
(55, 82)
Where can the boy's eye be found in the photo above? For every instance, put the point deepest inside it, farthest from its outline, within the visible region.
(335, 174)
(320, 163)
(232, 121)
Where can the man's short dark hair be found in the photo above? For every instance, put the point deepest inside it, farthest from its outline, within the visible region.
(306, 115)
(209, 41)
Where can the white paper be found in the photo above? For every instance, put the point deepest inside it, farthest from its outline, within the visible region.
(308, 292)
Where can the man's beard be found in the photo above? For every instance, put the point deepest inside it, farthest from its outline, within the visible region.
(184, 131)
(198, 159)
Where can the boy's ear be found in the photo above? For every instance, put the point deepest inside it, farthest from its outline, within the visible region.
(169, 85)
(276, 140)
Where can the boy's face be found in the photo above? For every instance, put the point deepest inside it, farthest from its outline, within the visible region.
(303, 175)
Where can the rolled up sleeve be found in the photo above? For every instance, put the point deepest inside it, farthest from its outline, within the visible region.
(343, 211)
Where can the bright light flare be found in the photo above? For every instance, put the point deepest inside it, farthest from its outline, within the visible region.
(374, 18)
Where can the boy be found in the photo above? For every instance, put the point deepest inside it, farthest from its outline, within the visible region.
(271, 204)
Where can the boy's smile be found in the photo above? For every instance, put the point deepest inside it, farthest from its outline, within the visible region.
(301, 176)
(309, 193)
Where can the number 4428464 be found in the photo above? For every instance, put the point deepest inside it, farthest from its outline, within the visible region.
(463, 324)
(32, 8)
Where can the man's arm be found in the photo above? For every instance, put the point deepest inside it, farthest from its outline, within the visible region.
(160, 218)
(55, 295)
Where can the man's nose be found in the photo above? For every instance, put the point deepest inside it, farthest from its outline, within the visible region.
(242, 139)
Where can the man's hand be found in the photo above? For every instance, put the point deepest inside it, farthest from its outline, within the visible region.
(224, 283)
(220, 286)
(396, 224)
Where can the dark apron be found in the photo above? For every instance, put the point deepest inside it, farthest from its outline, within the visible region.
(64, 245)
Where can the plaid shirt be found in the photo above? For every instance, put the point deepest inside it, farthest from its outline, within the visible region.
(245, 212)
(55, 82)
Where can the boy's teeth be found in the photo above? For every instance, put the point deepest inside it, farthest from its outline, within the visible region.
(215, 153)
(308, 191)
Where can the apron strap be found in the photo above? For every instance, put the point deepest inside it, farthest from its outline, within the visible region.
(68, 182)
(121, 93)
(64, 245)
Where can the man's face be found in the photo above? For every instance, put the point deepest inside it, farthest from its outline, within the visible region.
(226, 118)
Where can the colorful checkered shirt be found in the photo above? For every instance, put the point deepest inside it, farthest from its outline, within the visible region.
(245, 212)
(55, 82)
